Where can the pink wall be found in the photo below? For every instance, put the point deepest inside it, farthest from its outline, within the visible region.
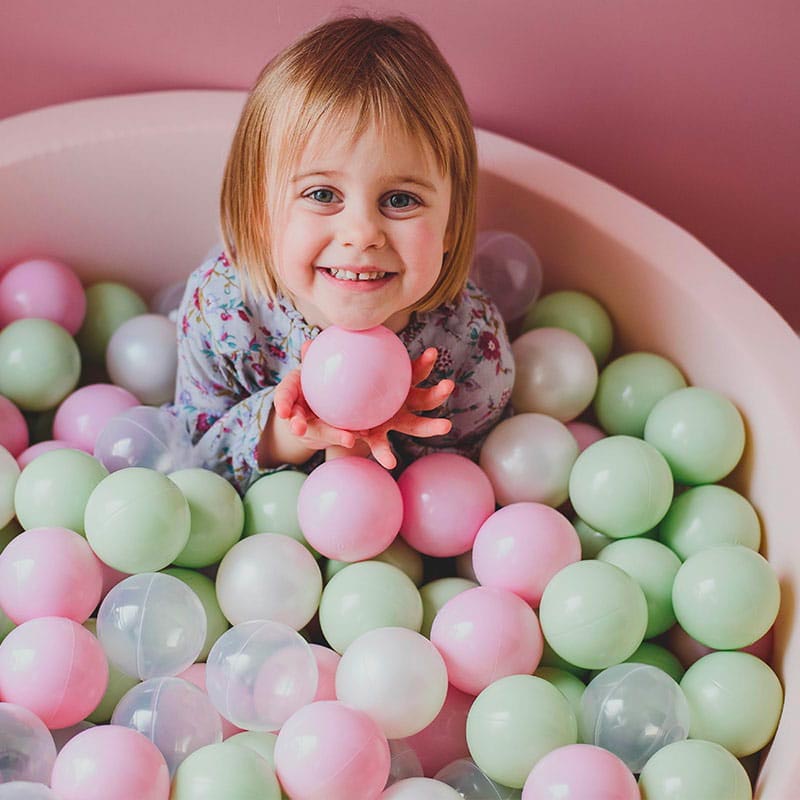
(692, 106)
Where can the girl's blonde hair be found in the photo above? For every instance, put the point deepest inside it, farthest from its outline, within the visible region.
(376, 71)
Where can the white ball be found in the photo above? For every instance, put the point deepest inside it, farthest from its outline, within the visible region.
(9, 473)
(420, 789)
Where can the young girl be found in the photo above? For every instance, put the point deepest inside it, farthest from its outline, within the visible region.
(349, 199)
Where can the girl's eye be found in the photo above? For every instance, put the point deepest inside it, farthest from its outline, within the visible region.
(322, 195)
(402, 200)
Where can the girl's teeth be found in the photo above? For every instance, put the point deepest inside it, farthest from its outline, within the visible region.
(344, 274)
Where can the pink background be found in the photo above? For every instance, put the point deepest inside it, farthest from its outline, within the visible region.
(691, 106)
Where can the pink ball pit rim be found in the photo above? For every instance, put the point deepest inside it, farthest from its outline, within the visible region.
(665, 290)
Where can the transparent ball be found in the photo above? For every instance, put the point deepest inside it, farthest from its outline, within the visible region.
(167, 300)
(145, 436)
(633, 710)
(472, 783)
(405, 762)
(25, 790)
(27, 750)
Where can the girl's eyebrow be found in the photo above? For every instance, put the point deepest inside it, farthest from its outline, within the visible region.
(332, 173)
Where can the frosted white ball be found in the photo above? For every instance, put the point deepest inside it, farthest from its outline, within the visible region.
(420, 789)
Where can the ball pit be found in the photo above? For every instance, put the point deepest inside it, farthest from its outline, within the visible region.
(666, 293)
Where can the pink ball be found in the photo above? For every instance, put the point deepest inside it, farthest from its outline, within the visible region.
(49, 572)
(485, 634)
(585, 434)
(445, 739)
(13, 428)
(329, 751)
(196, 674)
(580, 772)
(54, 667)
(446, 498)
(83, 414)
(110, 762)
(327, 662)
(26, 456)
(521, 546)
(356, 380)
(42, 287)
(350, 509)
(111, 577)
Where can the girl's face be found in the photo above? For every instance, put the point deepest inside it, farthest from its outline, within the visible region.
(361, 234)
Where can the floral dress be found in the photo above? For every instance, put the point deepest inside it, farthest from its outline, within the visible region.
(232, 353)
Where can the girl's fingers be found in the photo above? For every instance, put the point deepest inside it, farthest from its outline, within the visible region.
(428, 399)
(287, 393)
(322, 432)
(421, 367)
(412, 425)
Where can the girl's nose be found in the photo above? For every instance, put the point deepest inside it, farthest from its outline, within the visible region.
(361, 228)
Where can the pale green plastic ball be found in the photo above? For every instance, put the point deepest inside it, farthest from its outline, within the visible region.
(514, 722)
(39, 363)
(435, 594)
(593, 614)
(9, 476)
(628, 389)
(398, 554)
(592, 541)
(706, 516)
(54, 489)
(700, 433)
(726, 597)
(571, 686)
(217, 516)
(657, 656)
(621, 486)
(552, 659)
(735, 700)
(137, 520)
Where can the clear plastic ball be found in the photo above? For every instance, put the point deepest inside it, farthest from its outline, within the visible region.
(472, 783)
(25, 790)
(259, 673)
(167, 300)
(420, 789)
(176, 716)
(405, 762)
(151, 625)
(145, 436)
(27, 749)
(633, 710)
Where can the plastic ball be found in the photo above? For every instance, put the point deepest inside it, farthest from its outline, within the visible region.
(260, 742)
(25, 790)
(655, 655)
(404, 764)
(350, 508)
(507, 268)
(13, 428)
(699, 432)
(9, 477)
(592, 541)
(327, 663)
(435, 594)
(173, 714)
(634, 493)
(27, 747)
(356, 380)
(43, 288)
(329, 750)
(148, 437)
(137, 520)
(55, 668)
(49, 572)
(472, 783)
(520, 547)
(110, 762)
(365, 596)
(515, 722)
(579, 313)
(446, 498)
(151, 625)
(271, 577)
(628, 389)
(35, 450)
(581, 771)
(570, 685)
(593, 614)
(39, 364)
(63, 735)
(259, 673)
(108, 305)
(225, 770)
(528, 458)
(167, 300)
(485, 634)
(83, 415)
(584, 433)
(398, 554)
(420, 789)
(196, 675)
(694, 768)
(556, 373)
(735, 700)
(396, 676)
(270, 505)
(688, 650)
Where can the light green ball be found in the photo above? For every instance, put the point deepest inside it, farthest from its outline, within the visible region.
(577, 312)
(270, 506)
(726, 597)
(571, 686)
(259, 742)
(628, 389)
(699, 432)
(592, 541)
(694, 769)
(514, 722)
(706, 516)
(365, 596)
(657, 656)
(108, 305)
(593, 614)
(735, 700)
(39, 363)
(225, 770)
(9, 476)
(118, 684)
(55, 487)
(552, 659)
(435, 594)
(621, 486)
(137, 520)
(398, 554)
(204, 588)
(654, 567)
(217, 516)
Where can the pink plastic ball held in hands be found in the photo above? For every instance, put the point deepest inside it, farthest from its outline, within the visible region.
(356, 380)
(350, 509)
